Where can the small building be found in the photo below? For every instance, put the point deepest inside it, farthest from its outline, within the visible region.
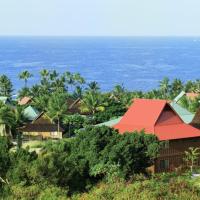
(73, 106)
(25, 101)
(5, 130)
(159, 118)
(43, 128)
(5, 100)
(30, 113)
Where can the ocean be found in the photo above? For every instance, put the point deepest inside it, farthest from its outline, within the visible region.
(139, 63)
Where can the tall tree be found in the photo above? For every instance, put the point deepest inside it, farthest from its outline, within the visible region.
(7, 117)
(165, 87)
(57, 107)
(6, 87)
(93, 86)
(92, 102)
(25, 75)
(176, 86)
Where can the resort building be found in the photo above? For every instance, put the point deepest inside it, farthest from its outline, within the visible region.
(158, 117)
(42, 128)
(5, 100)
(25, 101)
(30, 113)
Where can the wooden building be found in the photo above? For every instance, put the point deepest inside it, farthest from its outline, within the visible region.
(42, 127)
(159, 118)
(25, 101)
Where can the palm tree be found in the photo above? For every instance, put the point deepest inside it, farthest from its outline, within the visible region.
(176, 86)
(25, 75)
(190, 86)
(57, 107)
(93, 86)
(6, 87)
(7, 118)
(53, 75)
(78, 79)
(69, 78)
(58, 85)
(92, 102)
(118, 92)
(78, 93)
(35, 90)
(165, 87)
(44, 73)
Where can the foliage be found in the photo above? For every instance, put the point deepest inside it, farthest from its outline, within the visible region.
(25, 75)
(57, 107)
(6, 87)
(177, 188)
(192, 156)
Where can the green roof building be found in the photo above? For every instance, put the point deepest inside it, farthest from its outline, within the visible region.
(31, 113)
(5, 100)
(183, 113)
(110, 123)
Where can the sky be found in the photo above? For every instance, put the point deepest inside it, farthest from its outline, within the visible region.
(100, 17)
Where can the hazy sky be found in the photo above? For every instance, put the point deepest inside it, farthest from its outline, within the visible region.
(100, 17)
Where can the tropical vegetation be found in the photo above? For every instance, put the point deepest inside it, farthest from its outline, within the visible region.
(90, 162)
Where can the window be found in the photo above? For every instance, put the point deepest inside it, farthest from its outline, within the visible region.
(164, 164)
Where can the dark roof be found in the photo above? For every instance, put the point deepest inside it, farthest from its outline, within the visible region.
(73, 105)
(41, 128)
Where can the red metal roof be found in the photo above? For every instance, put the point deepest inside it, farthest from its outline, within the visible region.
(155, 117)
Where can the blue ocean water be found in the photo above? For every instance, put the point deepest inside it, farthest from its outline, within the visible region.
(137, 62)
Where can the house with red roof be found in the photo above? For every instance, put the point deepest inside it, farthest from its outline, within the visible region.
(159, 118)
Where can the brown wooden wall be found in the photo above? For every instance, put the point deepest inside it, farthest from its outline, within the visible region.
(175, 153)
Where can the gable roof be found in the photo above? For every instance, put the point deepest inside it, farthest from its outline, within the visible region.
(155, 117)
(24, 100)
(42, 123)
(144, 111)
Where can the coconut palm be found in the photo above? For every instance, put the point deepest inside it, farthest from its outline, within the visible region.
(57, 107)
(78, 92)
(69, 78)
(189, 86)
(165, 87)
(44, 73)
(176, 87)
(92, 102)
(25, 75)
(79, 80)
(93, 86)
(53, 75)
(6, 87)
(118, 92)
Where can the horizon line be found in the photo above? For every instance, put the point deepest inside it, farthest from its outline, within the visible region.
(183, 36)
